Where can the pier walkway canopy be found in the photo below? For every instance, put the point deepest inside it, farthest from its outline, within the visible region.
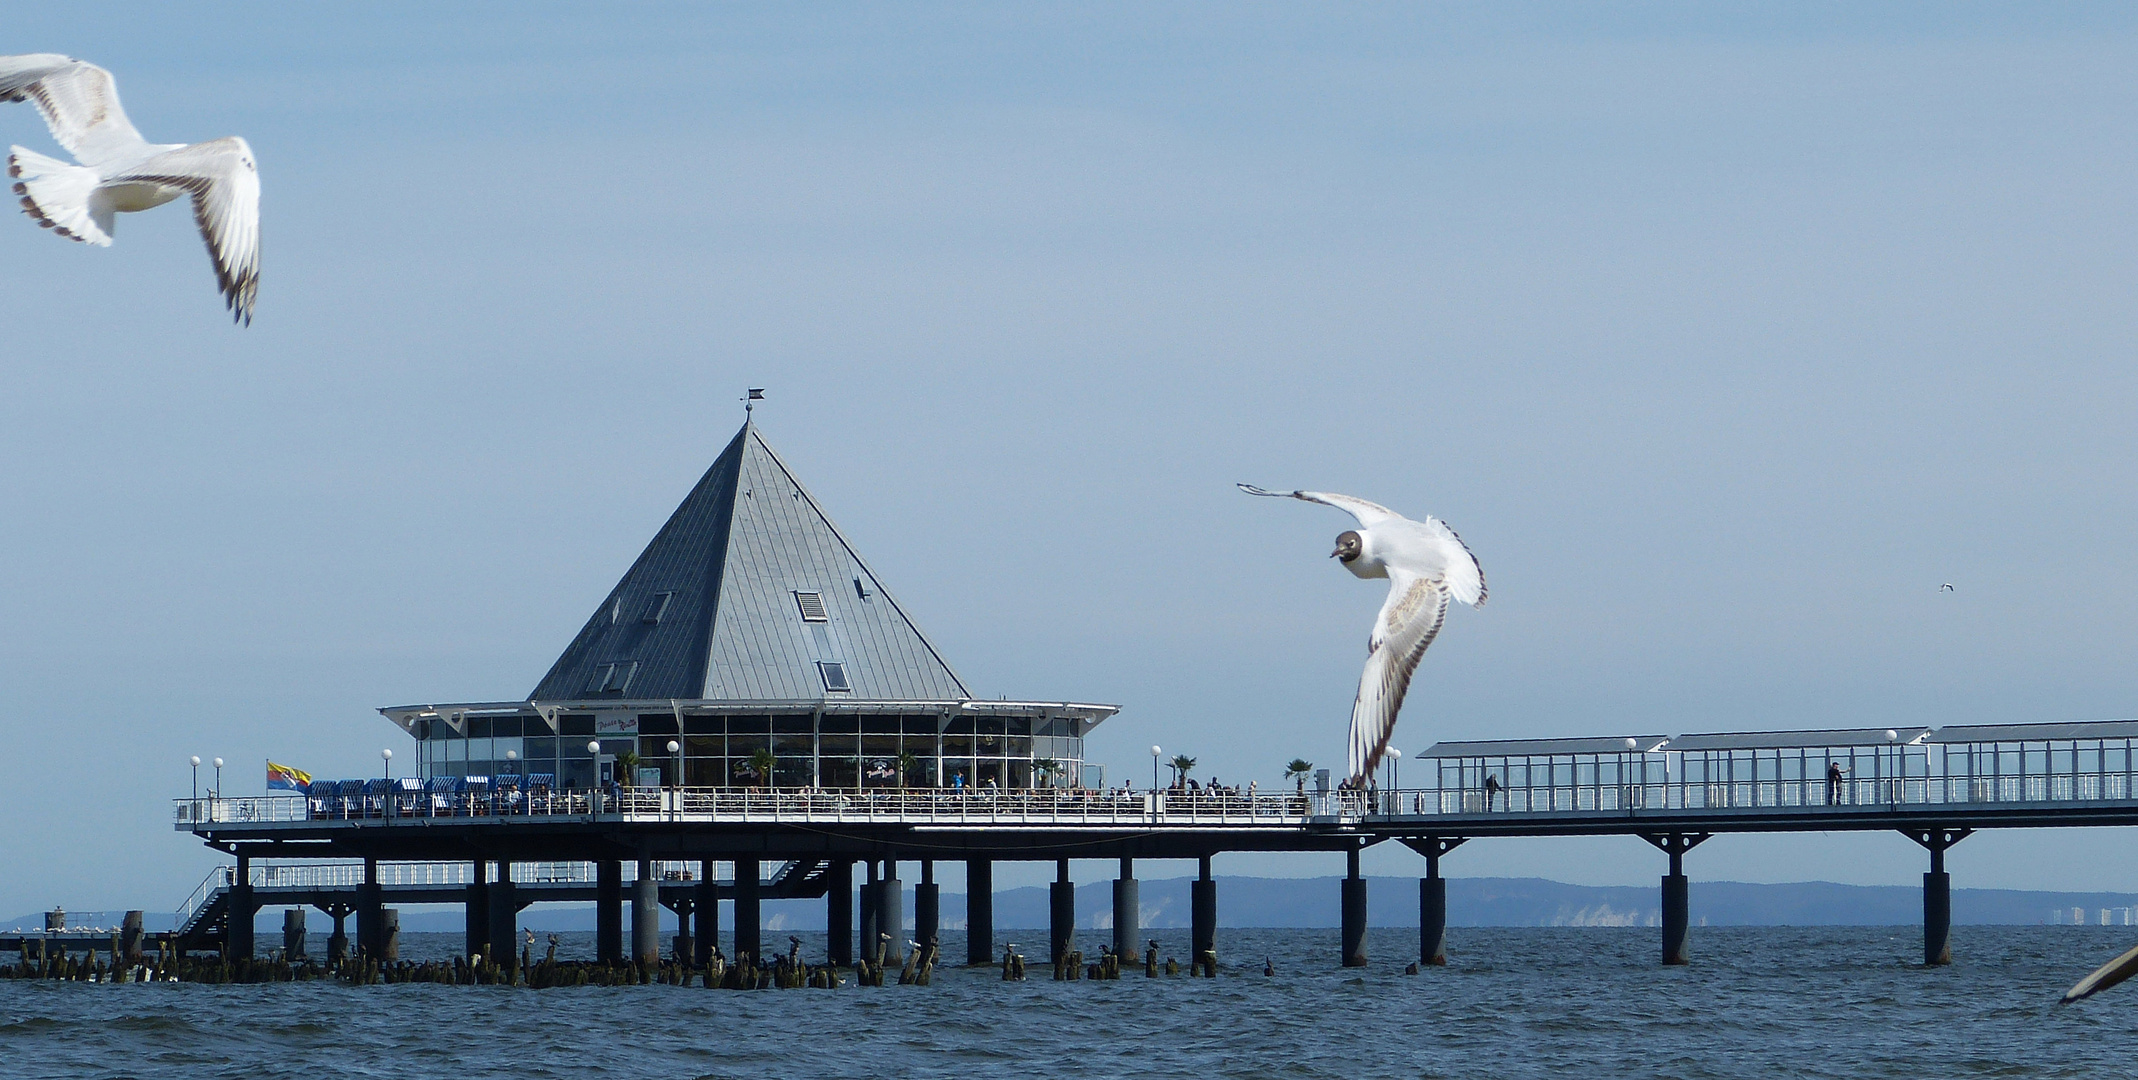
(752, 635)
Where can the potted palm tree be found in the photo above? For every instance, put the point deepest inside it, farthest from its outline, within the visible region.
(1046, 768)
(1181, 763)
(906, 764)
(761, 763)
(627, 768)
(1299, 769)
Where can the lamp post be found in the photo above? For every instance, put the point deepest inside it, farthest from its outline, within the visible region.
(217, 791)
(1893, 740)
(675, 751)
(196, 778)
(512, 758)
(386, 756)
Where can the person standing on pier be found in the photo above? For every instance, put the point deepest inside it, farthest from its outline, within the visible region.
(1492, 787)
(1833, 783)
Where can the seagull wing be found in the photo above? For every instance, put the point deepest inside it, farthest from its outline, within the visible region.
(1410, 618)
(80, 103)
(1368, 514)
(2109, 974)
(225, 185)
(1465, 575)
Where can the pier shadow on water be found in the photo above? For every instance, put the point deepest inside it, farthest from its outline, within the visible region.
(1543, 1002)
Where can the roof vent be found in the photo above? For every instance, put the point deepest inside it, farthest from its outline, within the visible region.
(656, 606)
(834, 677)
(812, 605)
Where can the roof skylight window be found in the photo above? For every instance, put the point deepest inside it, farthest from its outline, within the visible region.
(835, 679)
(656, 606)
(812, 606)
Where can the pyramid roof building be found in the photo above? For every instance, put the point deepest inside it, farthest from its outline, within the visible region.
(750, 593)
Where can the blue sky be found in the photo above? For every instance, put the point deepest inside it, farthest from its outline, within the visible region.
(1724, 336)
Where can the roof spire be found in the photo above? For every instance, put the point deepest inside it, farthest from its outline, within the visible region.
(749, 402)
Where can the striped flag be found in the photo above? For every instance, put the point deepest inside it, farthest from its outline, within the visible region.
(286, 778)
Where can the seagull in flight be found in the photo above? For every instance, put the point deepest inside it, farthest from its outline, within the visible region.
(2107, 975)
(1425, 564)
(1947, 587)
(120, 172)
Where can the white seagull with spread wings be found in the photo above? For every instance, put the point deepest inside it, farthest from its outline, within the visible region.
(1425, 564)
(121, 172)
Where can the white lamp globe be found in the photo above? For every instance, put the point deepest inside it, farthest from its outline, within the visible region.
(387, 754)
(593, 746)
(674, 746)
(1156, 751)
(218, 763)
(196, 761)
(512, 755)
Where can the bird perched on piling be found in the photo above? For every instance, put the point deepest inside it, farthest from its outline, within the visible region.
(1425, 564)
(120, 172)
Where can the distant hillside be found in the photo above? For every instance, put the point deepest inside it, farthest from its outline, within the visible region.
(1312, 902)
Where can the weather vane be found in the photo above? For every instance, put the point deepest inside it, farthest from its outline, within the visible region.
(750, 400)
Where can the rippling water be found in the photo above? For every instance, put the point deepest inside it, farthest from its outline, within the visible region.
(1513, 1003)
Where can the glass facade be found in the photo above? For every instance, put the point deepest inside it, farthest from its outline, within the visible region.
(847, 749)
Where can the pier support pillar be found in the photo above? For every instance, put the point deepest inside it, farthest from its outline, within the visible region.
(1677, 895)
(1061, 914)
(338, 941)
(1128, 912)
(1202, 910)
(646, 915)
(237, 927)
(1354, 911)
(130, 935)
(478, 906)
(1433, 900)
(686, 947)
(866, 941)
(292, 934)
(746, 909)
(1937, 893)
(609, 911)
(389, 935)
(891, 914)
(370, 930)
(839, 912)
(927, 906)
(706, 941)
(504, 918)
(979, 912)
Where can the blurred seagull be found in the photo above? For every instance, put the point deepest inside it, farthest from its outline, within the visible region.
(1947, 587)
(1425, 563)
(120, 172)
(2107, 975)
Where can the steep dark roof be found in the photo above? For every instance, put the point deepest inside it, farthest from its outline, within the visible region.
(731, 561)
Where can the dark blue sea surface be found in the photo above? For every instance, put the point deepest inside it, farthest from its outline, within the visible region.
(1557, 1002)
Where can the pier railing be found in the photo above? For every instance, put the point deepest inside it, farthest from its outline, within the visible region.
(1147, 809)
(716, 805)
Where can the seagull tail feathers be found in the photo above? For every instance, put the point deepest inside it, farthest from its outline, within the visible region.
(59, 196)
(1253, 490)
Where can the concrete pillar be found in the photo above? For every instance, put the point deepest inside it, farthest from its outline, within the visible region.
(130, 935)
(1677, 918)
(1128, 912)
(685, 950)
(370, 929)
(1433, 921)
(979, 912)
(866, 940)
(237, 925)
(1061, 914)
(293, 934)
(646, 915)
(478, 907)
(839, 912)
(1354, 898)
(1202, 910)
(927, 905)
(338, 941)
(1937, 918)
(891, 914)
(389, 935)
(746, 910)
(609, 911)
(504, 918)
(707, 913)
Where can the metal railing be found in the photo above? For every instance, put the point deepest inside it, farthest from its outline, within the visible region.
(1762, 794)
(271, 876)
(1148, 809)
(1046, 807)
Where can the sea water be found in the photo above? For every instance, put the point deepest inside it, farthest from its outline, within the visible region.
(1558, 1002)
